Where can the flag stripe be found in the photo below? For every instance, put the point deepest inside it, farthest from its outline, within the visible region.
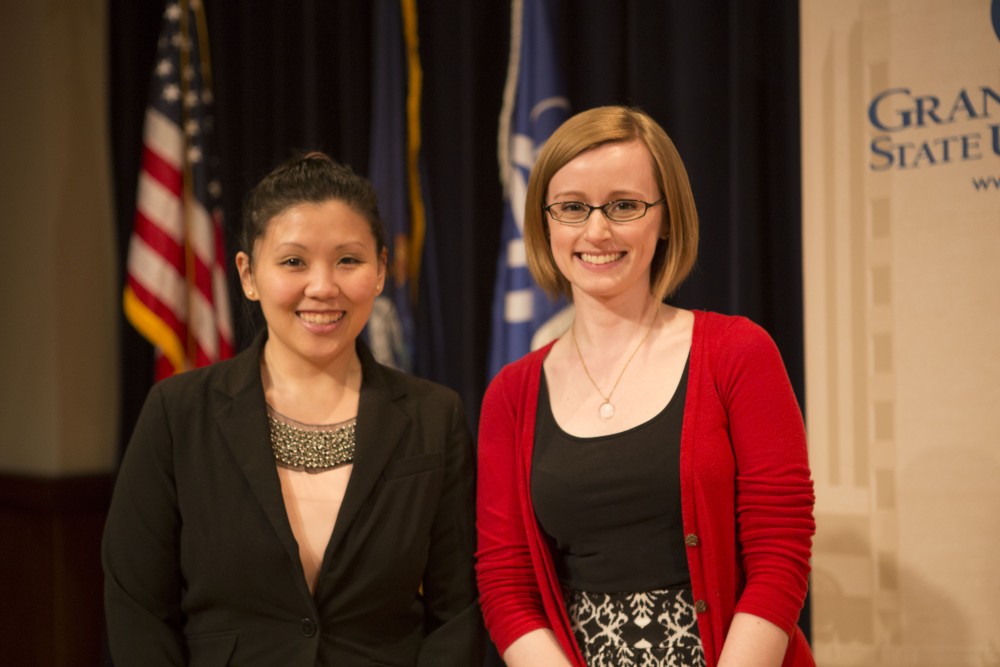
(160, 207)
(220, 290)
(158, 277)
(202, 236)
(156, 239)
(161, 171)
(202, 328)
(163, 138)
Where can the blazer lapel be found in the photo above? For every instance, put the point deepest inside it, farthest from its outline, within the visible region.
(380, 427)
(242, 419)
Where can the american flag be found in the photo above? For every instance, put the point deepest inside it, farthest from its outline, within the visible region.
(535, 104)
(175, 292)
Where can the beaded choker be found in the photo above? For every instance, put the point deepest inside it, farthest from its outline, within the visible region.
(312, 448)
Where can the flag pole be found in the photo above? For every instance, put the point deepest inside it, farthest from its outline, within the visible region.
(188, 179)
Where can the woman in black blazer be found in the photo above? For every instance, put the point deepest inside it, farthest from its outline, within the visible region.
(299, 504)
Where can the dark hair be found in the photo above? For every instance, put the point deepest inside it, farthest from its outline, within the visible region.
(678, 247)
(307, 178)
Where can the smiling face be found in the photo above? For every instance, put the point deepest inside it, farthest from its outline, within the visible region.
(600, 258)
(316, 272)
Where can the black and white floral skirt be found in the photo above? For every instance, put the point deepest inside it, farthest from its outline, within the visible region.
(649, 629)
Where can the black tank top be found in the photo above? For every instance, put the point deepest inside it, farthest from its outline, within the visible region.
(611, 505)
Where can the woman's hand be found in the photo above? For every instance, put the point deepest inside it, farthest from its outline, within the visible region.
(753, 642)
(538, 648)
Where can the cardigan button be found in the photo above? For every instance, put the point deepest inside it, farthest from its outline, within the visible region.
(700, 606)
(307, 627)
(691, 540)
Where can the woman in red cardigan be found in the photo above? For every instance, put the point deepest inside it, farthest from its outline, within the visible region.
(644, 491)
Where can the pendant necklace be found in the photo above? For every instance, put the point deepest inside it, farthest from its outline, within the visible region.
(607, 409)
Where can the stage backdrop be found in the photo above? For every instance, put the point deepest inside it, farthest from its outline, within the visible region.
(901, 238)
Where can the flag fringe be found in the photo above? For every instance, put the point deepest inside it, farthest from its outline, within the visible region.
(418, 228)
(153, 329)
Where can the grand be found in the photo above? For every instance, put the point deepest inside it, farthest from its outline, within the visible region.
(897, 109)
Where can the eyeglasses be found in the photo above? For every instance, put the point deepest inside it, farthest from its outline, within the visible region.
(620, 210)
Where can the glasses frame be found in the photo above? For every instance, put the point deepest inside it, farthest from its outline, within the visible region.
(603, 208)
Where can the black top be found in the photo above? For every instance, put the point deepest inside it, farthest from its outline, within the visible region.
(611, 505)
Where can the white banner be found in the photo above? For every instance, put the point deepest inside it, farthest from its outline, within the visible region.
(901, 243)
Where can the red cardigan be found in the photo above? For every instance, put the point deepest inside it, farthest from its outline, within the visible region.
(746, 495)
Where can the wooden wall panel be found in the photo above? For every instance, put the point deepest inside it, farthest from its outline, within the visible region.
(52, 612)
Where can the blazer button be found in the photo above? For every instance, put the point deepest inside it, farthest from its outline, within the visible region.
(691, 540)
(700, 606)
(307, 627)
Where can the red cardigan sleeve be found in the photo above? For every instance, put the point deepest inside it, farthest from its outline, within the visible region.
(508, 587)
(774, 489)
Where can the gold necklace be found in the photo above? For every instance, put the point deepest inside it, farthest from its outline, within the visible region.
(607, 409)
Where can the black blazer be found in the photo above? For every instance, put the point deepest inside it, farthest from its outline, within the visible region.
(201, 567)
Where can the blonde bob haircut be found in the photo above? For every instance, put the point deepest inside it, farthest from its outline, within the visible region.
(678, 245)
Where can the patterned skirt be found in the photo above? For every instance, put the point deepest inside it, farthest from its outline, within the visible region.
(649, 629)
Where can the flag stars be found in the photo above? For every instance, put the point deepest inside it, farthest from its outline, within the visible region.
(172, 12)
(189, 73)
(191, 99)
(192, 128)
(180, 41)
(194, 154)
(164, 68)
(171, 92)
(215, 188)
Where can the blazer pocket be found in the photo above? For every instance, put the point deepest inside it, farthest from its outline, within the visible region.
(413, 465)
(212, 650)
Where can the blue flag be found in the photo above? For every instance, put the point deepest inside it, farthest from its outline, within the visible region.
(535, 104)
(390, 330)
